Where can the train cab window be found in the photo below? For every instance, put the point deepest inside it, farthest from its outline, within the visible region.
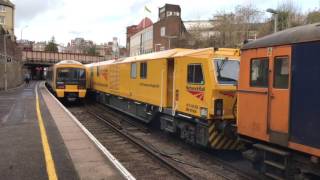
(259, 72)
(195, 74)
(227, 71)
(281, 73)
(133, 72)
(143, 70)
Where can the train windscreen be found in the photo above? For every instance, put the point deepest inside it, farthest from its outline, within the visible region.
(74, 76)
(227, 71)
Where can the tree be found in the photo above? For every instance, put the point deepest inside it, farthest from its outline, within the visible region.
(235, 27)
(92, 51)
(52, 46)
(313, 16)
(289, 15)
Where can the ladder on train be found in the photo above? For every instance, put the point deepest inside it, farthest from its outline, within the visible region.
(275, 162)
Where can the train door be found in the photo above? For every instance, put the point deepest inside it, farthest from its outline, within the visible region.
(279, 95)
(253, 94)
(170, 79)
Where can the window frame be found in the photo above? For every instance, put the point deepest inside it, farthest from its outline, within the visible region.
(143, 71)
(203, 78)
(162, 31)
(3, 8)
(250, 75)
(135, 75)
(4, 20)
(274, 72)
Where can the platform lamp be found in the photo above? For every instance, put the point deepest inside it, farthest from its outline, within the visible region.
(275, 13)
(22, 30)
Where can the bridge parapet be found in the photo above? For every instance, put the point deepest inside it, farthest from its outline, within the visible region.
(49, 58)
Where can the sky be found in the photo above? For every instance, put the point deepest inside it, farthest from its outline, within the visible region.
(100, 20)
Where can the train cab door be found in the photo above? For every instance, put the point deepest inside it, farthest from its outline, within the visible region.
(279, 95)
(170, 79)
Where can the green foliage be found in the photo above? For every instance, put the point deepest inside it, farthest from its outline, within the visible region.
(289, 15)
(92, 51)
(51, 46)
(313, 17)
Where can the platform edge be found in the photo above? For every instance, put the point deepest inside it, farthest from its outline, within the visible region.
(104, 150)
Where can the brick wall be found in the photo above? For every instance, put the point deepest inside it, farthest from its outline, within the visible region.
(15, 67)
(173, 27)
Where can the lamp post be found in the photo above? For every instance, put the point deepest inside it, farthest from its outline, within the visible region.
(275, 13)
(22, 30)
(5, 61)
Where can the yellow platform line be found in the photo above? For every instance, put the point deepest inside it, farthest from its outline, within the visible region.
(51, 170)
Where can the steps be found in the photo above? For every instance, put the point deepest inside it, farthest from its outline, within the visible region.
(275, 161)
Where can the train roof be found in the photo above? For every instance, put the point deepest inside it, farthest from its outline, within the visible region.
(101, 63)
(65, 62)
(209, 53)
(156, 55)
(306, 33)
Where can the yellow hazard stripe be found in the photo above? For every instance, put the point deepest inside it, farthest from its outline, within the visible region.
(51, 170)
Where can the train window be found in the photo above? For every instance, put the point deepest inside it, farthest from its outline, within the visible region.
(281, 73)
(195, 75)
(133, 70)
(259, 72)
(143, 70)
(98, 70)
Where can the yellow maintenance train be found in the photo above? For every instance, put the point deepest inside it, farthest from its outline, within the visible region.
(189, 92)
(67, 79)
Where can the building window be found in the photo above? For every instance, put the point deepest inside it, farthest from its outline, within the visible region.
(169, 13)
(2, 20)
(163, 31)
(259, 72)
(143, 70)
(133, 70)
(281, 73)
(176, 13)
(195, 74)
(2, 8)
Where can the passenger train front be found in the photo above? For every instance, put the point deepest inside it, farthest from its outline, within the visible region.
(67, 79)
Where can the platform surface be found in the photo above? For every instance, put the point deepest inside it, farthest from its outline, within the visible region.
(23, 155)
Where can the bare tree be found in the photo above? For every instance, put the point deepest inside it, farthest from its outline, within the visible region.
(289, 15)
(235, 27)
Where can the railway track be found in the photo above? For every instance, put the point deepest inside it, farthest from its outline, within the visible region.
(180, 160)
(138, 158)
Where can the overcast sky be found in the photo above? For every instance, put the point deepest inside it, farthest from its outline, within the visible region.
(100, 20)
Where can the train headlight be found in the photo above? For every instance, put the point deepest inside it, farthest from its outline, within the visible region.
(60, 85)
(204, 112)
(218, 107)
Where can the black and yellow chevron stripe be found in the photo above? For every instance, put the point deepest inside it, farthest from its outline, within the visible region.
(220, 142)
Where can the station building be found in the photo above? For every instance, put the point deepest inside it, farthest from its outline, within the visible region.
(147, 37)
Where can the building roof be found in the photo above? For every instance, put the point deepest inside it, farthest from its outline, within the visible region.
(294, 35)
(6, 3)
(144, 23)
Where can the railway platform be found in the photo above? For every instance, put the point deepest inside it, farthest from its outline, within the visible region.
(40, 139)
